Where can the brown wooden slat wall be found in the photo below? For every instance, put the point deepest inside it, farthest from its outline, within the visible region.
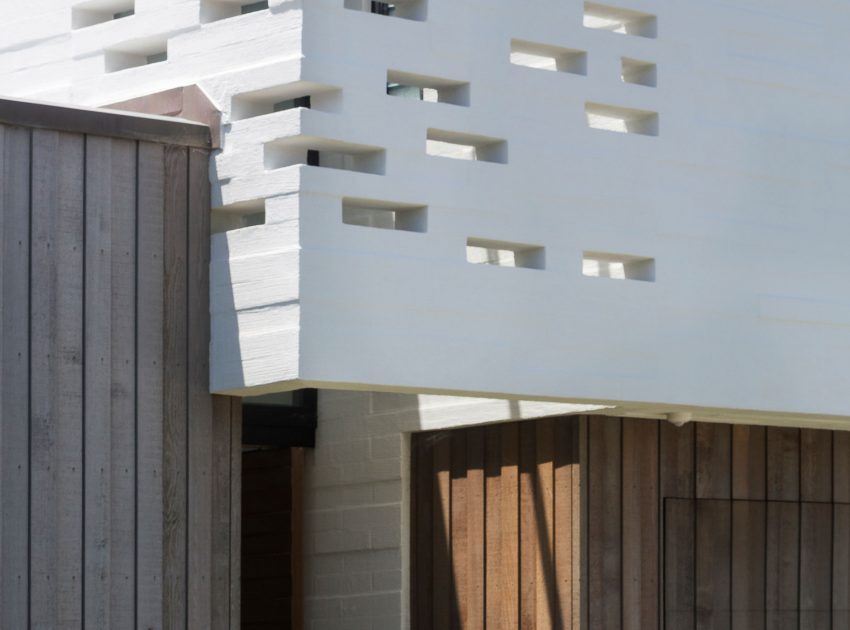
(494, 526)
(118, 470)
(708, 525)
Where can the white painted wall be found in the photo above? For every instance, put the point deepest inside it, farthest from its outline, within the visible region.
(739, 198)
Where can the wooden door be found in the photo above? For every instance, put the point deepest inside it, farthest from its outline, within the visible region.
(496, 527)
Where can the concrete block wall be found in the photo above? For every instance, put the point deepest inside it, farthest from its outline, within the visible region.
(356, 493)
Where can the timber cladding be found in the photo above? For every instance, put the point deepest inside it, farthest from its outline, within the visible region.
(611, 523)
(118, 470)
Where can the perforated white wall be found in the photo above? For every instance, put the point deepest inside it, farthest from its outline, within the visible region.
(659, 189)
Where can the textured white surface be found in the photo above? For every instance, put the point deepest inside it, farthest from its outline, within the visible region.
(739, 197)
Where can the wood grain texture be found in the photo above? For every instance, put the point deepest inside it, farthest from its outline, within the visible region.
(564, 466)
(458, 531)
(783, 464)
(748, 462)
(546, 606)
(510, 493)
(175, 390)
(713, 461)
(782, 565)
(679, 564)
(641, 573)
(442, 583)
(677, 453)
(749, 519)
(604, 523)
(150, 385)
(713, 564)
(816, 465)
(110, 401)
(841, 466)
(528, 527)
(14, 374)
(475, 532)
(56, 525)
(202, 591)
(841, 566)
(493, 532)
(816, 566)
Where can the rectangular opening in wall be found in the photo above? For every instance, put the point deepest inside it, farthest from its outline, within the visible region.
(324, 153)
(238, 215)
(621, 119)
(638, 72)
(284, 97)
(214, 10)
(385, 215)
(425, 88)
(135, 54)
(618, 266)
(546, 57)
(618, 20)
(480, 251)
(464, 146)
(85, 14)
(406, 9)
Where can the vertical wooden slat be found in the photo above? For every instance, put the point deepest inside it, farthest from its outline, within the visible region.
(677, 457)
(841, 566)
(748, 558)
(782, 564)
(713, 563)
(201, 591)
(640, 525)
(493, 562)
(748, 465)
(510, 578)
(563, 521)
(458, 529)
(605, 522)
(713, 461)
(423, 515)
(783, 528)
(222, 434)
(546, 606)
(749, 519)
(841, 466)
(175, 390)
(149, 386)
(815, 465)
(679, 563)
(110, 382)
(580, 534)
(783, 464)
(56, 526)
(14, 367)
(297, 539)
(527, 526)
(235, 512)
(815, 566)
(676, 480)
(475, 518)
(442, 575)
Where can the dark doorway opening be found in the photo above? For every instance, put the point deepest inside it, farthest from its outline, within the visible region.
(275, 431)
